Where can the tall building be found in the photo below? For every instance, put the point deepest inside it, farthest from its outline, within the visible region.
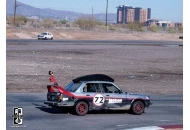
(149, 13)
(127, 14)
(120, 15)
(143, 15)
(130, 15)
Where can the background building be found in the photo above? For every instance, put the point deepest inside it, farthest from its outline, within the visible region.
(162, 23)
(127, 14)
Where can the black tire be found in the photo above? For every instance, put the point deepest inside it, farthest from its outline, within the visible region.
(81, 108)
(52, 38)
(138, 107)
(45, 38)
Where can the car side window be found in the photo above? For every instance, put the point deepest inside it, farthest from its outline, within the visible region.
(92, 87)
(110, 88)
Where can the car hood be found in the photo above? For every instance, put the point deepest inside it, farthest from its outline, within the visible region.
(134, 96)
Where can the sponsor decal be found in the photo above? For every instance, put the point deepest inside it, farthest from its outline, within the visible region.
(114, 100)
(17, 117)
(98, 100)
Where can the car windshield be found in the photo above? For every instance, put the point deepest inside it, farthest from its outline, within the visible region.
(72, 87)
(44, 34)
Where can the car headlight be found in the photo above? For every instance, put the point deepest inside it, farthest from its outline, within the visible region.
(58, 94)
(65, 99)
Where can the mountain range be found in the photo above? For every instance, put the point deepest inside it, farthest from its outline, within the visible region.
(27, 10)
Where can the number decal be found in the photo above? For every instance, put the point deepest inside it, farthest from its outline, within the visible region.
(98, 100)
(101, 99)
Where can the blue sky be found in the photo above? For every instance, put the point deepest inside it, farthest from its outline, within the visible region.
(171, 10)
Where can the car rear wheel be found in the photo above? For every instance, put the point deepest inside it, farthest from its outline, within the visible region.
(45, 38)
(137, 107)
(52, 38)
(81, 108)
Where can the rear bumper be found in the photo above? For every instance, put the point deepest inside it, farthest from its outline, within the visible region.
(59, 104)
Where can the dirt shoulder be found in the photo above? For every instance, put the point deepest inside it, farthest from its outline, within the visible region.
(138, 69)
(28, 33)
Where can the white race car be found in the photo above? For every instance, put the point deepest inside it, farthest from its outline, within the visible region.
(45, 36)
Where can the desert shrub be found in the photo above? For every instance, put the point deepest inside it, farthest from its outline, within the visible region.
(68, 25)
(112, 28)
(98, 23)
(34, 23)
(135, 26)
(180, 29)
(154, 28)
(55, 22)
(103, 27)
(48, 23)
(9, 20)
(119, 26)
(84, 23)
(172, 30)
(19, 20)
(63, 21)
(124, 26)
(87, 23)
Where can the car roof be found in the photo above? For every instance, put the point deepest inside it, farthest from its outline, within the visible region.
(95, 82)
(45, 32)
(93, 77)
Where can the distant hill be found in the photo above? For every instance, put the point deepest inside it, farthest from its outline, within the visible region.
(28, 10)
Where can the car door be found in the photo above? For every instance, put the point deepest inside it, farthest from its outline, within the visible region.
(48, 35)
(114, 97)
(93, 93)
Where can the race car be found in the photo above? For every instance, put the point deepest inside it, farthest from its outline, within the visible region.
(95, 92)
(45, 36)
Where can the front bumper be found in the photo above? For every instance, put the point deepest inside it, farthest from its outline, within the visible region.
(59, 104)
(148, 103)
(41, 37)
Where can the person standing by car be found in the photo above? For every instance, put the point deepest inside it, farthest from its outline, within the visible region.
(52, 79)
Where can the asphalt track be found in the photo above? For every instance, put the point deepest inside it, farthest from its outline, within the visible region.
(166, 110)
(120, 42)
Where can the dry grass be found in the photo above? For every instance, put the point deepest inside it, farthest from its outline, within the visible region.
(90, 34)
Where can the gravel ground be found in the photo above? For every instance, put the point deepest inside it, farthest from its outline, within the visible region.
(139, 69)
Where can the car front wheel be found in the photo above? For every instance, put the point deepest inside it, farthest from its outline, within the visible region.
(81, 108)
(137, 107)
(52, 38)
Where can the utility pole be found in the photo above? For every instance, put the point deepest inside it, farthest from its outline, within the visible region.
(15, 6)
(107, 13)
(15, 11)
(92, 13)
